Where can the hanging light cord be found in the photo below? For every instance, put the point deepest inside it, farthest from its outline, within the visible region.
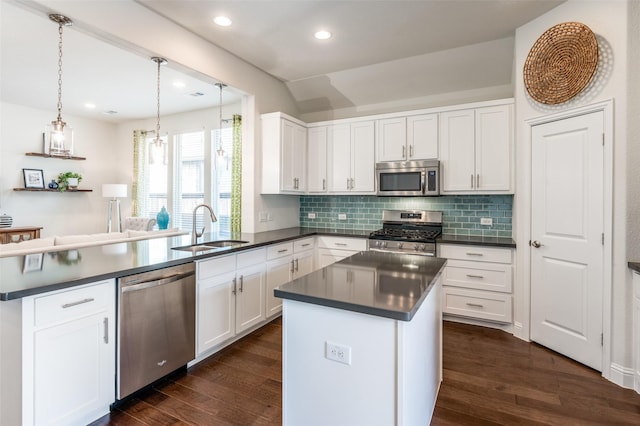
(60, 72)
(159, 61)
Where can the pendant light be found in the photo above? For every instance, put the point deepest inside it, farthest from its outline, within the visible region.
(157, 142)
(220, 150)
(59, 134)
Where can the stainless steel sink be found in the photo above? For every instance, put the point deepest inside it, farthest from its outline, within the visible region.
(211, 245)
(224, 243)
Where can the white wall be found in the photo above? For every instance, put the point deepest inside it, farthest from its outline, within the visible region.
(57, 213)
(609, 21)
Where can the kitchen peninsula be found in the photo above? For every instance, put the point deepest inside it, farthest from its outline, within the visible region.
(362, 341)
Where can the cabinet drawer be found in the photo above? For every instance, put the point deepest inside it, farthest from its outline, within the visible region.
(216, 266)
(477, 253)
(279, 250)
(477, 304)
(342, 243)
(479, 275)
(303, 244)
(74, 303)
(251, 258)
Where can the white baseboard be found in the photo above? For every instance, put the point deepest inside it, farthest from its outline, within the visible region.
(472, 321)
(621, 376)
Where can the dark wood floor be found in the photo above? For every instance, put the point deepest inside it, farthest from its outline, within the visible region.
(490, 378)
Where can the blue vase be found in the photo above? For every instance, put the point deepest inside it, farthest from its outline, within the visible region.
(162, 218)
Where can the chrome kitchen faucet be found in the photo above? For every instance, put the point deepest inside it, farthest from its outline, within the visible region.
(194, 232)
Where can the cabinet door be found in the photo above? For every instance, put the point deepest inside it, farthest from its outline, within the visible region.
(303, 264)
(250, 307)
(339, 158)
(363, 156)
(299, 158)
(278, 272)
(317, 160)
(457, 151)
(391, 140)
(288, 152)
(494, 152)
(422, 137)
(74, 370)
(216, 310)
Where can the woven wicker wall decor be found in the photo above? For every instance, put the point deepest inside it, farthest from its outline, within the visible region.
(561, 63)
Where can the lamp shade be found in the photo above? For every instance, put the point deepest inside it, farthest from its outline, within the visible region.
(114, 190)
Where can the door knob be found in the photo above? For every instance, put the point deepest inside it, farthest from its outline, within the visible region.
(536, 244)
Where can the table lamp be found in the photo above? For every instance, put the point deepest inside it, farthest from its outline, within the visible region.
(114, 191)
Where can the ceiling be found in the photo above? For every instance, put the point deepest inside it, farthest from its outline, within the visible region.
(380, 52)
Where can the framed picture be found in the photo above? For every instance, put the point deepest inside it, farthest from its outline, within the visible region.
(33, 178)
(33, 262)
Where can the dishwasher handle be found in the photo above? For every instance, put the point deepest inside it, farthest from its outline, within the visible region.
(156, 282)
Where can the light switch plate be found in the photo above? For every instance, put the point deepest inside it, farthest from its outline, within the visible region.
(311, 215)
(342, 216)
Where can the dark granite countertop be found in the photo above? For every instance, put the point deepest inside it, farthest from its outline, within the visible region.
(22, 276)
(634, 266)
(381, 284)
(477, 241)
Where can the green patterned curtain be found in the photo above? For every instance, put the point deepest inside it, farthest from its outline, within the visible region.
(236, 175)
(139, 171)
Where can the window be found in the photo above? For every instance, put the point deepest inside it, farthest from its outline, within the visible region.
(175, 176)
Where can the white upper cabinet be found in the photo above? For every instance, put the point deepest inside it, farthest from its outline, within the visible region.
(284, 154)
(476, 150)
(351, 158)
(407, 138)
(317, 160)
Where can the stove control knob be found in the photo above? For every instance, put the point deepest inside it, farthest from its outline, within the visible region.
(422, 247)
(416, 247)
(399, 245)
(377, 243)
(384, 244)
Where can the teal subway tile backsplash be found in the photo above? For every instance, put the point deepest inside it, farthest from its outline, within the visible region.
(461, 213)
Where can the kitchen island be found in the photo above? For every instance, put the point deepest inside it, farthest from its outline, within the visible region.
(362, 342)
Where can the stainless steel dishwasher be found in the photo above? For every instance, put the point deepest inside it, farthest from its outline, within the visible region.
(156, 325)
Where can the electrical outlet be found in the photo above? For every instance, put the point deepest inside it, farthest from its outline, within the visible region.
(311, 215)
(337, 352)
(342, 216)
(486, 221)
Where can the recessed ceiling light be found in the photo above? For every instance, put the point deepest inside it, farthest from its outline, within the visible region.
(322, 35)
(89, 105)
(223, 21)
(178, 84)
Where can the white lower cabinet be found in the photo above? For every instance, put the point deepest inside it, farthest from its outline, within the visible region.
(332, 249)
(636, 331)
(230, 294)
(286, 262)
(68, 355)
(477, 282)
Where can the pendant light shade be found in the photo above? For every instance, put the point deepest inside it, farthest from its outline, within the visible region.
(220, 150)
(59, 134)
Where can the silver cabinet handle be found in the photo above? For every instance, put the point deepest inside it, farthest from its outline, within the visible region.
(353, 183)
(79, 302)
(474, 276)
(292, 268)
(475, 305)
(404, 152)
(470, 253)
(296, 265)
(341, 244)
(161, 363)
(306, 245)
(478, 181)
(105, 323)
(283, 251)
(411, 151)
(471, 181)
(536, 244)
(324, 184)
(234, 287)
(241, 283)
(348, 187)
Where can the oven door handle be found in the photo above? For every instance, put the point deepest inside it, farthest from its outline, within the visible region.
(423, 181)
(155, 282)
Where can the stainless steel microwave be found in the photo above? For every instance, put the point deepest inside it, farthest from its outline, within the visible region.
(408, 178)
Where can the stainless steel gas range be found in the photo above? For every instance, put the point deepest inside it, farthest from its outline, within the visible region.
(407, 232)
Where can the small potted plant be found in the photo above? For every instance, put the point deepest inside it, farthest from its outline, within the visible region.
(68, 180)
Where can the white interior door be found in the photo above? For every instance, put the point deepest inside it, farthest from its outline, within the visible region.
(567, 221)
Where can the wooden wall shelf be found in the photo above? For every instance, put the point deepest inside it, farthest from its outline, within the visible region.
(51, 190)
(62, 157)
